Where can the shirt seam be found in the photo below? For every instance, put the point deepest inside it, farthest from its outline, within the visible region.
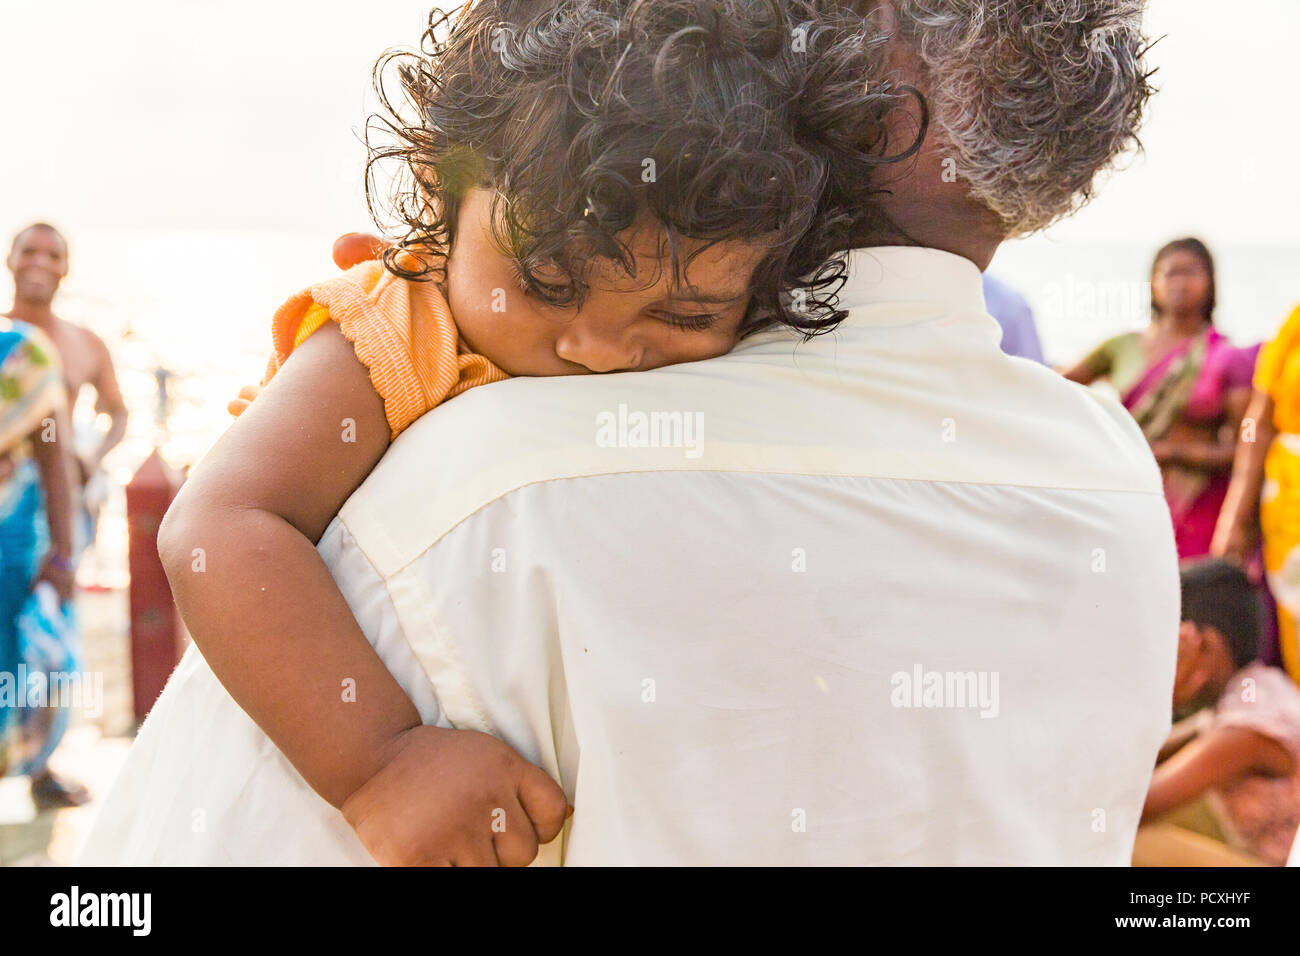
(1155, 493)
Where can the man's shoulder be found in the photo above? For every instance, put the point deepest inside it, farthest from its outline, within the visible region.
(88, 340)
(855, 411)
(497, 438)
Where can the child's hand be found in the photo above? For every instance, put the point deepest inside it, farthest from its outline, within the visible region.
(237, 406)
(455, 798)
(354, 248)
(349, 250)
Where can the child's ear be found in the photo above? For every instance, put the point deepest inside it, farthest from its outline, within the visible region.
(1195, 662)
(1212, 650)
(1217, 646)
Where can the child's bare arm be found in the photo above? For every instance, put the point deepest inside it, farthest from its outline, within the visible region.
(258, 599)
(274, 628)
(1212, 759)
(1183, 733)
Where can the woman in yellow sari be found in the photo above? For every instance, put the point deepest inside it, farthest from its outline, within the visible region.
(1266, 482)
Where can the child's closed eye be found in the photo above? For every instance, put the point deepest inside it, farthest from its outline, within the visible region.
(552, 288)
(689, 321)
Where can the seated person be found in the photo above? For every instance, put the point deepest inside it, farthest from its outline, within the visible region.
(1240, 751)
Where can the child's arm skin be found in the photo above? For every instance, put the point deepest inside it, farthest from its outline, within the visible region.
(1182, 734)
(1210, 760)
(275, 629)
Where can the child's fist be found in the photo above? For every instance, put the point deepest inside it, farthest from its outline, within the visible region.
(237, 406)
(455, 798)
(355, 248)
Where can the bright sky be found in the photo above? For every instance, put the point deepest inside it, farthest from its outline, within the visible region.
(224, 114)
(241, 115)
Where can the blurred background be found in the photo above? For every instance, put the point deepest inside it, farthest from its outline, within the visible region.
(201, 157)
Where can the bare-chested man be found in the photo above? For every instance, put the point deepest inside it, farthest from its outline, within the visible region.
(38, 260)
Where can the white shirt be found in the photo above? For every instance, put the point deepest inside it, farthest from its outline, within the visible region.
(889, 596)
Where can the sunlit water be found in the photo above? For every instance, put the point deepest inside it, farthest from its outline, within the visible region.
(198, 304)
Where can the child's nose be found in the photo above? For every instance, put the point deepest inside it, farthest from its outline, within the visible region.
(599, 351)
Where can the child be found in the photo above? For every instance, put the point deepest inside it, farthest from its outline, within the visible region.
(595, 187)
(1244, 752)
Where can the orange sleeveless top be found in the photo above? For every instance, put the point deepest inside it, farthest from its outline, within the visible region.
(403, 333)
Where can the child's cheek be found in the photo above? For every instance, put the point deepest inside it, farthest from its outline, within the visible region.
(698, 346)
(471, 309)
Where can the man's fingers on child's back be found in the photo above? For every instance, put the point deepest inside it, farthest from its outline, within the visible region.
(544, 802)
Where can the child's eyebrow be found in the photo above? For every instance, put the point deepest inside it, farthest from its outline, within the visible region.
(716, 298)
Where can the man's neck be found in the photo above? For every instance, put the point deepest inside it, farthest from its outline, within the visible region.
(965, 229)
(38, 314)
(922, 202)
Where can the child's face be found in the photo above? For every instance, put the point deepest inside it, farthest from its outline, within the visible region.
(624, 324)
(1201, 656)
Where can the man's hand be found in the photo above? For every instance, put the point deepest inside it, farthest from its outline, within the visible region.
(455, 798)
(350, 249)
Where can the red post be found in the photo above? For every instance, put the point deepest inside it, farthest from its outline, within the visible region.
(157, 635)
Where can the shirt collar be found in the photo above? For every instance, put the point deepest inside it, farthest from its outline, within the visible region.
(881, 274)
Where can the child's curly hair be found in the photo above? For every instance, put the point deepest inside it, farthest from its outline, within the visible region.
(757, 120)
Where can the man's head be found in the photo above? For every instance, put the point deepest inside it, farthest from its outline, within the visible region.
(1219, 633)
(38, 259)
(1028, 102)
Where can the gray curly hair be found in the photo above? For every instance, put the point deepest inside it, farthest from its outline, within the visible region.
(1033, 98)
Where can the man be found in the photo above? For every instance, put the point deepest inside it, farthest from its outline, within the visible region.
(38, 261)
(885, 596)
(905, 601)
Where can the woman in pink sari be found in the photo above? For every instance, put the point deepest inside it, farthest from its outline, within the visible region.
(1187, 387)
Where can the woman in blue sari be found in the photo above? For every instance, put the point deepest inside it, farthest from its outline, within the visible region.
(35, 540)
